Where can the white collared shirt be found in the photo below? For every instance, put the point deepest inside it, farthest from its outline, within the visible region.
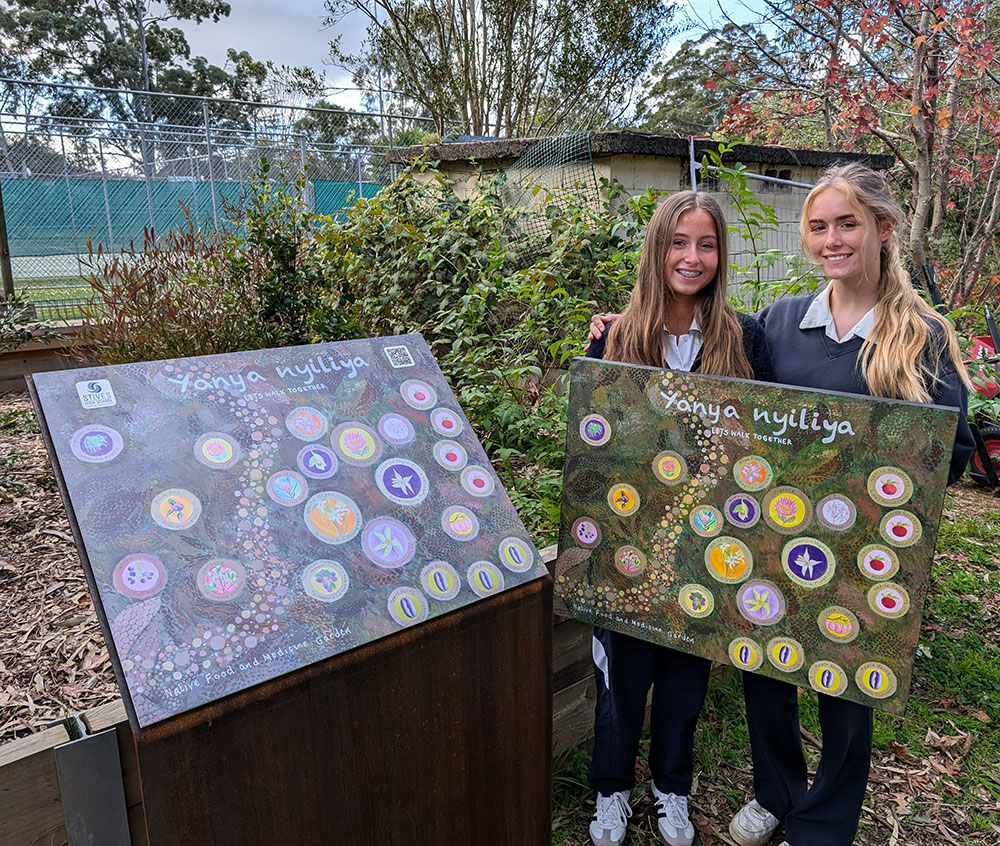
(819, 316)
(680, 351)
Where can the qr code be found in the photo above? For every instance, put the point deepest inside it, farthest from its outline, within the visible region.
(399, 356)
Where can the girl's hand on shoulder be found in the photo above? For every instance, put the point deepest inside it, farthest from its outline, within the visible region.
(598, 323)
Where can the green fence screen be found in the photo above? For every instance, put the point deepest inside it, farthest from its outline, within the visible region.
(49, 216)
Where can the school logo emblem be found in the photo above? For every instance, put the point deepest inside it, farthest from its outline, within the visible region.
(96, 393)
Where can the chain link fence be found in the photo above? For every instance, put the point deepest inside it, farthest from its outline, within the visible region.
(774, 254)
(106, 165)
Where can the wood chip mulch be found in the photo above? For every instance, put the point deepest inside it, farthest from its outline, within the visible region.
(53, 661)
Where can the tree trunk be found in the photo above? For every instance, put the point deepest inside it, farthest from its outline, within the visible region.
(921, 130)
(946, 151)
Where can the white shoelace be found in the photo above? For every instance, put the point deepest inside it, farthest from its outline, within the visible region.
(763, 817)
(674, 808)
(612, 810)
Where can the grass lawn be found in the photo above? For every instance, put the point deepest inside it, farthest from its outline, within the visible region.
(57, 297)
(935, 770)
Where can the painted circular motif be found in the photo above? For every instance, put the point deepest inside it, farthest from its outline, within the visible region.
(785, 654)
(746, 653)
(623, 499)
(887, 599)
(96, 444)
(808, 562)
(889, 486)
(877, 562)
(418, 395)
(307, 423)
(440, 580)
(402, 481)
(629, 560)
(836, 512)
(706, 520)
(446, 422)
(407, 606)
(395, 429)
(139, 575)
(332, 517)
(221, 579)
(325, 580)
(357, 444)
(216, 450)
(317, 461)
(838, 624)
(876, 680)
(484, 578)
(827, 677)
(753, 473)
(175, 509)
(595, 431)
(900, 528)
(388, 543)
(287, 487)
(450, 455)
(516, 555)
(787, 510)
(586, 532)
(459, 523)
(477, 480)
(696, 600)
(742, 510)
(761, 602)
(670, 468)
(728, 560)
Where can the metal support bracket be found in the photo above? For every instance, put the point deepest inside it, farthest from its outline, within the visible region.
(93, 796)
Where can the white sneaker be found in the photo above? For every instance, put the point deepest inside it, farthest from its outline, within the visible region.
(752, 825)
(610, 819)
(674, 824)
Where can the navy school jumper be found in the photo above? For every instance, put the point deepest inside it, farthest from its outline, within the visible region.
(625, 667)
(827, 813)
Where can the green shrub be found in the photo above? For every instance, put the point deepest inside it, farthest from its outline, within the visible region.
(277, 258)
(19, 323)
(396, 261)
(420, 258)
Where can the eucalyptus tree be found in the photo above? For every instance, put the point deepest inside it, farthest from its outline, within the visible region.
(507, 67)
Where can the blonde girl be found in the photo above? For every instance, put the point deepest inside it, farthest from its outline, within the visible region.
(867, 332)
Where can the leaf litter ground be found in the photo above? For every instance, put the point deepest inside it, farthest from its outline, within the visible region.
(934, 773)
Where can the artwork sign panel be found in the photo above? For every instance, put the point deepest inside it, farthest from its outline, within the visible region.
(248, 514)
(788, 532)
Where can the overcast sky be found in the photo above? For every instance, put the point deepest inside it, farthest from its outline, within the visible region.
(291, 33)
(286, 33)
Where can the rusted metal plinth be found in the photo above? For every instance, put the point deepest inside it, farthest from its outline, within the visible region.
(439, 735)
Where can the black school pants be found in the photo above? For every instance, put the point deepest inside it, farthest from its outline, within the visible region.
(827, 813)
(624, 668)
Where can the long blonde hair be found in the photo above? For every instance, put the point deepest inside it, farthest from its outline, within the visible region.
(898, 359)
(637, 334)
